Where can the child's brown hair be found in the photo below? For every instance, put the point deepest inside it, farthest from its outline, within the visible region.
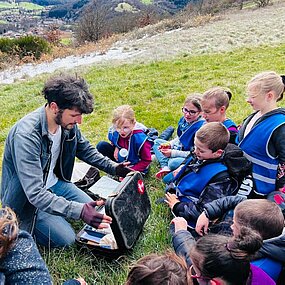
(261, 215)
(195, 99)
(153, 269)
(8, 230)
(218, 256)
(215, 135)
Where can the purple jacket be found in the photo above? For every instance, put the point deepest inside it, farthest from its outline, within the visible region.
(259, 277)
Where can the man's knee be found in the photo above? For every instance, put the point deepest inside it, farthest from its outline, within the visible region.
(60, 240)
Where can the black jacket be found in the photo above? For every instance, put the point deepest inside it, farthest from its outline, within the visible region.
(223, 184)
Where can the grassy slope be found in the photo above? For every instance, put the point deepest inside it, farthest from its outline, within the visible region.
(156, 91)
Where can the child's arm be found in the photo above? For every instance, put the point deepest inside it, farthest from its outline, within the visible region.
(214, 210)
(179, 153)
(145, 158)
(116, 153)
(219, 207)
(182, 240)
(277, 148)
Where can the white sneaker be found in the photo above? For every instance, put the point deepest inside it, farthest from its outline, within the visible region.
(153, 158)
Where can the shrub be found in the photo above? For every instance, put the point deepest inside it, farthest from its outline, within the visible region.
(7, 45)
(32, 46)
(25, 46)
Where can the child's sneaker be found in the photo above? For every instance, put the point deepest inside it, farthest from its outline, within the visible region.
(163, 171)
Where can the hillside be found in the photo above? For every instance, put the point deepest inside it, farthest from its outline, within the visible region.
(239, 29)
(226, 51)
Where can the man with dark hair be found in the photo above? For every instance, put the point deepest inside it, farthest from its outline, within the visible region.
(39, 156)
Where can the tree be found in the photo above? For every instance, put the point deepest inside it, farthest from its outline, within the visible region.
(91, 26)
(262, 3)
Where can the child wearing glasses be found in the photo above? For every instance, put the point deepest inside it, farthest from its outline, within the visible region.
(262, 134)
(164, 269)
(171, 154)
(215, 103)
(260, 215)
(220, 260)
(128, 141)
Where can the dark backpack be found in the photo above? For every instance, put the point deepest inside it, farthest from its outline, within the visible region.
(90, 178)
(238, 165)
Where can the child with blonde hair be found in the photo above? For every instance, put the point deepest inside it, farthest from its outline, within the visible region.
(215, 103)
(262, 134)
(171, 154)
(128, 141)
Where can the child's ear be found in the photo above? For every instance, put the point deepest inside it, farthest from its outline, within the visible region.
(270, 95)
(223, 109)
(218, 153)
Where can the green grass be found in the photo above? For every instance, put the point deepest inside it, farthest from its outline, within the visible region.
(156, 91)
(6, 5)
(25, 5)
(30, 6)
(147, 2)
(66, 41)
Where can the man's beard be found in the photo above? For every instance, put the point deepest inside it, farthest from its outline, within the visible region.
(58, 121)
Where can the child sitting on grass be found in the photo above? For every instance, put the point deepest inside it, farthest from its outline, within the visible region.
(171, 154)
(128, 141)
(206, 176)
(215, 103)
(162, 269)
(262, 134)
(262, 216)
(222, 260)
(20, 260)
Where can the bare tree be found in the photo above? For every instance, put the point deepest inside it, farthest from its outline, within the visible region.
(92, 24)
(262, 3)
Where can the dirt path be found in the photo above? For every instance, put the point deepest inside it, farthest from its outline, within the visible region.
(234, 30)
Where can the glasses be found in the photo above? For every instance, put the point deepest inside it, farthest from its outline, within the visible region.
(190, 112)
(201, 280)
(125, 130)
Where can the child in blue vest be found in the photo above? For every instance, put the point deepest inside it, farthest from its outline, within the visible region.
(263, 216)
(262, 134)
(171, 154)
(205, 176)
(215, 103)
(128, 141)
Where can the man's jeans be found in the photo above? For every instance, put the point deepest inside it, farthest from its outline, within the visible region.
(55, 231)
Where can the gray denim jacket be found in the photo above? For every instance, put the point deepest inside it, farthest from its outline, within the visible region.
(26, 164)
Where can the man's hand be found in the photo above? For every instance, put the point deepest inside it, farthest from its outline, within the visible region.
(122, 170)
(179, 224)
(93, 218)
(202, 225)
(171, 200)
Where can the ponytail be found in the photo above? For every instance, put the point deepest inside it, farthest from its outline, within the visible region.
(281, 96)
(224, 257)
